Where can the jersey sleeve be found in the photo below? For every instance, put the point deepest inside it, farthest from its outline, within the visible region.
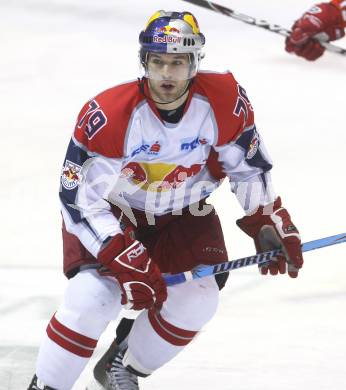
(93, 165)
(242, 154)
(247, 164)
(86, 181)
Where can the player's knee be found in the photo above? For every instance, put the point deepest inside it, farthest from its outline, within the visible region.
(188, 308)
(90, 298)
(205, 302)
(194, 304)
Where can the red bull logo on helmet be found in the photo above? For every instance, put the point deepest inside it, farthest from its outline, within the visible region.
(166, 39)
(167, 30)
(166, 34)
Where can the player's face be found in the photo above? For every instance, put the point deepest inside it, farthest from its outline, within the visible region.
(168, 75)
(168, 66)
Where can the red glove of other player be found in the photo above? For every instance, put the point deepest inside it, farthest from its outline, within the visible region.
(271, 227)
(324, 21)
(139, 278)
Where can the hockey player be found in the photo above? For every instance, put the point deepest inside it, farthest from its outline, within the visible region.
(141, 163)
(326, 21)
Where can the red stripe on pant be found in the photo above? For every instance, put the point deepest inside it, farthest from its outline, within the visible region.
(69, 339)
(169, 332)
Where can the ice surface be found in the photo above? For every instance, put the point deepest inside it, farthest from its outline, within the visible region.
(269, 333)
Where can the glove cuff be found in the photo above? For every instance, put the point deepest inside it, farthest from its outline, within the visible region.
(251, 224)
(264, 210)
(115, 246)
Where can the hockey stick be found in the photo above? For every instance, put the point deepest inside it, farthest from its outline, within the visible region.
(258, 22)
(260, 258)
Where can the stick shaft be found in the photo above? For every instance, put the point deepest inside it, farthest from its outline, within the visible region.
(275, 28)
(260, 258)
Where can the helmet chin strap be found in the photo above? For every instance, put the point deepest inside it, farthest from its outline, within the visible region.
(141, 88)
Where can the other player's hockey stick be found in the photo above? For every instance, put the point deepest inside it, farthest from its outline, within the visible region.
(258, 22)
(260, 258)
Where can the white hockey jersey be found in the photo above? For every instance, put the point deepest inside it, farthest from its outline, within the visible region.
(123, 153)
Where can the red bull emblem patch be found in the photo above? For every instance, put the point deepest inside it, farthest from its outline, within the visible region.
(70, 175)
(253, 147)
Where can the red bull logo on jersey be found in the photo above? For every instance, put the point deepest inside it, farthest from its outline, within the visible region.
(179, 175)
(70, 175)
(253, 147)
(159, 176)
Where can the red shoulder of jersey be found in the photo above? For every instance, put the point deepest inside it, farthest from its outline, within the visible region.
(102, 123)
(232, 109)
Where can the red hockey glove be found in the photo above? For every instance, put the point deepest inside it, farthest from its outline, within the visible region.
(139, 278)
(271, 227)
(324, 20)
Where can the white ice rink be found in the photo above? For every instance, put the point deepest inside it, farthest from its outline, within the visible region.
(269, 333)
